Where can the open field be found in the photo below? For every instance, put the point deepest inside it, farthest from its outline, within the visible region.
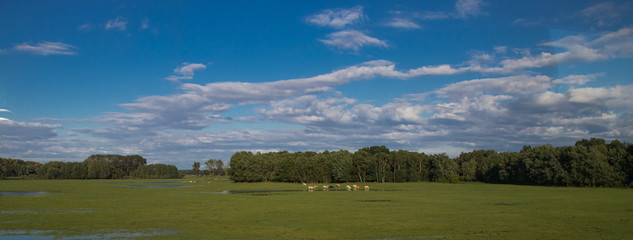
(202, 210)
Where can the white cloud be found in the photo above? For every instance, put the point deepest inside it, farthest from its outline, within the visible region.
(47, 48)
(443, 69)
(402, 23)
(337, 18)
(605, 13)
(85, 27)
(513, 85)
(22, 131)
(186, 71)
(469, 8)
(577, 79)
(145, 24)
(118, 23)
(4, 110)
(431, 15)
(352, 40)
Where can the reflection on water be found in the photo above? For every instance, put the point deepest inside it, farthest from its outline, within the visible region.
(159, 186)
(255, 191)
(47, 211)
(51, 234)
(168, 182)
(21, 193)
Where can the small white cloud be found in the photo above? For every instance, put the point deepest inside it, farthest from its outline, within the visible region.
(4, 110)
(352, 40)
(116, 23)
(337, 18)
(47, 48)
(145, 24)
(85, 27)
(501, 49)
(469, 8)
(432, 15)
(403, 23)
(186, 71)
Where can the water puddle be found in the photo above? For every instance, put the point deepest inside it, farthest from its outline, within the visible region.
(415, 237)
(51, 234)
(22, 193)
(168, 182)
(257, 192)
(159, 186)
(375, 201)
(47, 211)
(506, 204)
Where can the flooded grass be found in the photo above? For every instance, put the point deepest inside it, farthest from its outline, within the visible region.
(90, 209)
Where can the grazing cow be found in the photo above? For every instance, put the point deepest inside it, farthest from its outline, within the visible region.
(310, 187)
(356, 187)
(366, 188)
(338, 185)
(304, 184)
(349, 188)
(326, 187)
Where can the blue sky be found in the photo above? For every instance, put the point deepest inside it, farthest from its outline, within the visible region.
(178, 82)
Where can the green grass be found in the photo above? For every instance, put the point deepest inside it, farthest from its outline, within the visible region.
(388, 211)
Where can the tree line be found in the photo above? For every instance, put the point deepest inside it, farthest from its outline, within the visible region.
(592, 163)
(93, 167)
(215, 167)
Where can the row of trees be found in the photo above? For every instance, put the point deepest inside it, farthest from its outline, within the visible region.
(588, 163)
(215, 167)
(93, 167)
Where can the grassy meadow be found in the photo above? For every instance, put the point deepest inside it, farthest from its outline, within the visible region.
(205, 210)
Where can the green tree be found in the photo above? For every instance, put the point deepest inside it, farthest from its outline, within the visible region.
(196, 168)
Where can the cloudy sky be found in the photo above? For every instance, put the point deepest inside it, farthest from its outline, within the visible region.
(184, 81)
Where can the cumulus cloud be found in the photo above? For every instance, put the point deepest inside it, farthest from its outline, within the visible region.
(186, 71)
(351, 40)
(47, 48)
(337, 18)
(118, 23)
